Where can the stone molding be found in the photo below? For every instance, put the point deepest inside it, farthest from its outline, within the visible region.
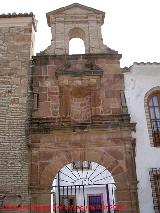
(12, 20)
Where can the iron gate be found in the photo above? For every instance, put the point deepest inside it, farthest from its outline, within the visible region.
(75, 199)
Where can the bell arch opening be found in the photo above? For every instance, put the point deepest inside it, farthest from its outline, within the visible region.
(76, 32)
(76, 41)
(83, 186)
(76, 46)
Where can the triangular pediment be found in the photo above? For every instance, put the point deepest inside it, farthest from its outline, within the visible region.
(72, 8)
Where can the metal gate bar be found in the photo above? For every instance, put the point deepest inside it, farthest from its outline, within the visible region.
(61, 195)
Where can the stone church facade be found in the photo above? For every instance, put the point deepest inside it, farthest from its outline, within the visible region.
(57, 108)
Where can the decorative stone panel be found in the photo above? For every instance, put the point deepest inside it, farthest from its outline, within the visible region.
(103, 82)
(81, 108)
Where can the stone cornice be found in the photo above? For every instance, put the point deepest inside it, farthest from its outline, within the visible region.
(44, 59)
(17, 19)
(46, 125)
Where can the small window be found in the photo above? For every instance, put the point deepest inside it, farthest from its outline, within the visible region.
(81, 165)
(76, 46)
(157, 189)
(154, 111)
(35, 101)
(155, 184)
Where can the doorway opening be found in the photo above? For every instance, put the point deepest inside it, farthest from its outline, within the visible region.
(83, 186)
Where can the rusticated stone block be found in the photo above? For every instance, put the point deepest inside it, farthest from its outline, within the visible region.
(23, 38)
(51, 71)
(116, 110)
(28, 30)
(43, 89)
(117, 170)
(43, 97)
(45, 109)
(37, 71)
(45, 155)
(34, 171)
(116, 153)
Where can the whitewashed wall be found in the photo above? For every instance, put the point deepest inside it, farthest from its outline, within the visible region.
(141, 78)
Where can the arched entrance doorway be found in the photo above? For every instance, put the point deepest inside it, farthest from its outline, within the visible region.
(51, 161)
(83, 186)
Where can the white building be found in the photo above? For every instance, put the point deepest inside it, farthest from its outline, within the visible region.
(142, 91)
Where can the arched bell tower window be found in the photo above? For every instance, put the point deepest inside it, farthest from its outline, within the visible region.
(76, 21)
(154, 114)
(76, 46)
(76, 41)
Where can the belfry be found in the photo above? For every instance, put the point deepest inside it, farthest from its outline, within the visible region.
(76, 21)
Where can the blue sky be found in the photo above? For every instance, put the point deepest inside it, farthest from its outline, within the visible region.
(131, 26)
